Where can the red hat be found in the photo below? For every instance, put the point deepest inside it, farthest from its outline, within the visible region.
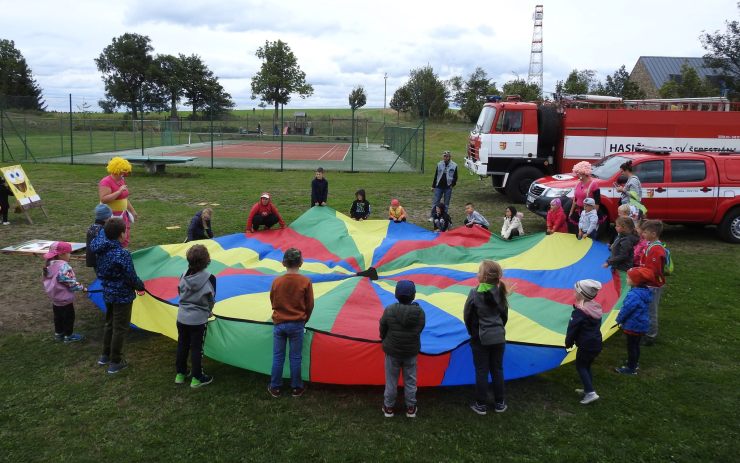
(641, 276)
(395, 202)
(58, 247)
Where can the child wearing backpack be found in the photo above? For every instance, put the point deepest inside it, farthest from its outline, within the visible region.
(633, 317)
(656, 258)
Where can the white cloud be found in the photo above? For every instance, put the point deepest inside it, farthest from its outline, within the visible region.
(342, 44)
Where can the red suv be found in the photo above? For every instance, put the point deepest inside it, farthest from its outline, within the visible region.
(685, 188)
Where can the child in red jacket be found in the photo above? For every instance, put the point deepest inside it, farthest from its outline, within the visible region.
(264, 213)
(556, 218)
(654, 258)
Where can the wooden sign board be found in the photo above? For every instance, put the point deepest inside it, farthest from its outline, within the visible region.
(22, 189)
(36, 247)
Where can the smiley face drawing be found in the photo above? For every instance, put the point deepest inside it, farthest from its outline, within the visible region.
(20, 185)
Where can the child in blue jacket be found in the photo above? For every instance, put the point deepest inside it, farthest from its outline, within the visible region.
(633, 316)
(584, 330)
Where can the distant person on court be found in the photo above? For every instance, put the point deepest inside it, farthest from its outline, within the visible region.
(473, 217)
(360, 209)
(633, 317)
(197, 291)
(200, 225)
(445, 179)
(292, 301)
(485, 314)
(102, 214)
(5, 193)
(396, 212)
(584, 331)
(120, 285)
(264, 214)
(400, 329)
(319, 189)
(512, 226)
(60, 284)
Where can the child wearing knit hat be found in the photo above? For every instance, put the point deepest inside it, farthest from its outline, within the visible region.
(102, 213)
(633, 317)
(584, 330)
(556, 220)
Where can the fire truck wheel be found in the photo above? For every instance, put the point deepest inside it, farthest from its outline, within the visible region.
(518, 184)
(729, 229)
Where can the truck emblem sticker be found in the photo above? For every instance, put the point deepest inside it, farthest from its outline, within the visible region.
(502, 145)
(650, 193)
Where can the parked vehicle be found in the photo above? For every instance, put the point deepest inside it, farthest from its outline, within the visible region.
(516, 143)
(701, 188)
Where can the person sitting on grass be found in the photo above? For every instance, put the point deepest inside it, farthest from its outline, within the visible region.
(512, 224)
(588, 224)
(633, 317)
(264, 213)
(200, 226)
(396, 212)
(360, 209)
(197, 291)
(120, 285)
(556, 220)
(440, 218)
(400, 330)
(292, 301)
(473, 217)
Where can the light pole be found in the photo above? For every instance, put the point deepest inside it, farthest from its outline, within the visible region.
(385, 89)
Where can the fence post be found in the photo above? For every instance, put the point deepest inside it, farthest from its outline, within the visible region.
(25, 138)
(282, 124)
(71, 134)
(352, 156)
(141, 119)
(423, 141)
(2, 132)
(211, 139)
(89, 131)
(115, 146)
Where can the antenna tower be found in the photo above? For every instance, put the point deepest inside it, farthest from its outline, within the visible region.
(535, 58)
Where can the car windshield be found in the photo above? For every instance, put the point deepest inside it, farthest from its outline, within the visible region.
(487, 114)
(608, 166)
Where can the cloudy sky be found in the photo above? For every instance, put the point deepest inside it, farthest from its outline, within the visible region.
(341, 44)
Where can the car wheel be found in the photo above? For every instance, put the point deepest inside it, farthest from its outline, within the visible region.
(729, 228)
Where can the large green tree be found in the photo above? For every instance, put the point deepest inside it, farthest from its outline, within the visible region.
(470, 94)
(201, 88)
(401, 101)
(18, 89)
(527, 91)
(724, 54)
(128, 69)
(620, 85)
(279, 76)
(577, 83)
(428, 93)
(688, 85)
(170, 75)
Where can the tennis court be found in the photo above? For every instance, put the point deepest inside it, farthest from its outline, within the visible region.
(267, 149)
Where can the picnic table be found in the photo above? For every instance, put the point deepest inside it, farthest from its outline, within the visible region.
(156, 164)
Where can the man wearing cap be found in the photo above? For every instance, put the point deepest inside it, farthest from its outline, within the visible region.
(400, 330)
(102, 213)
(264, 213)
(445, 179)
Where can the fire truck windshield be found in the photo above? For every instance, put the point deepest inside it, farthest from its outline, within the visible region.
(485, 120)
(608, 166)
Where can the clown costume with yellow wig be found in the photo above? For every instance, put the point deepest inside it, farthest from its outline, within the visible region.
(112, 190)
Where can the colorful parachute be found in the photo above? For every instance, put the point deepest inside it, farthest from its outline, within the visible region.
(342, 343)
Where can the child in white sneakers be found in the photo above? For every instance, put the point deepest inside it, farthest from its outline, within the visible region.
(584, 330)
(197, 290)
(60, 285)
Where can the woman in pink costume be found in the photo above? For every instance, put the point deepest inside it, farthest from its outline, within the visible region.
(586, 188)
(112, 190)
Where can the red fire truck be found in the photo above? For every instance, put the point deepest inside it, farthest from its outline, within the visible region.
(516, 143)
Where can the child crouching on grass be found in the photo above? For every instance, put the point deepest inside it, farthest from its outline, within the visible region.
(584, 330)
(633, 316)
(60, 285)
(197, 291)
(400, 330)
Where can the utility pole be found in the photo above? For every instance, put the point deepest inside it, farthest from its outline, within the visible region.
(385, 92)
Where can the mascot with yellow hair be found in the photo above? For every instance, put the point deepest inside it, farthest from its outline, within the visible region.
(113, 191)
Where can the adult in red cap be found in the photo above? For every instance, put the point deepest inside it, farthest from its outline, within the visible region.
(264, 213)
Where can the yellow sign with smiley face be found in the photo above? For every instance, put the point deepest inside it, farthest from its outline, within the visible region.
(21, 187)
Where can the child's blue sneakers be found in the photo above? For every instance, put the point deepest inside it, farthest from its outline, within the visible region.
(74, 337)
(480, 409)
(116, 367)
(626, 371)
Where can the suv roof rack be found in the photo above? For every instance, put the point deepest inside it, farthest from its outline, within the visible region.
(652, 149)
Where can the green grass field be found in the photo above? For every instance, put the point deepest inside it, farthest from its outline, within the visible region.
(57, 405)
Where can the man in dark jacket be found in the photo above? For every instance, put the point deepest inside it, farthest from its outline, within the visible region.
(400, 330)
(120, 285)
(445, 179)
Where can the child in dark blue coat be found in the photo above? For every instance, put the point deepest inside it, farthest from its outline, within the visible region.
(584, 330)
(633, 316)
